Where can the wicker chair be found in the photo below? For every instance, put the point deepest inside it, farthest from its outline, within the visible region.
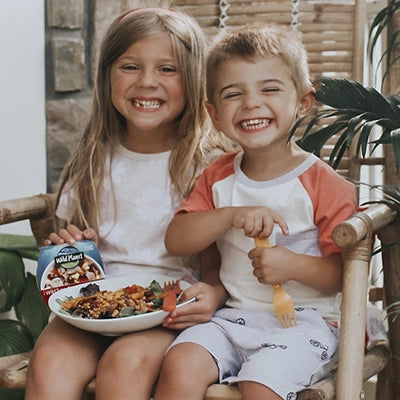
(354, 366)
(327, 28)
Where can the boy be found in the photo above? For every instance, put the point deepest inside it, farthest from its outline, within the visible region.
(258, 85)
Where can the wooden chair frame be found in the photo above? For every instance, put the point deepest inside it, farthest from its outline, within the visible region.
(354, 366)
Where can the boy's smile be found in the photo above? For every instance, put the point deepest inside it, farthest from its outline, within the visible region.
(254, 124)
(255, 102)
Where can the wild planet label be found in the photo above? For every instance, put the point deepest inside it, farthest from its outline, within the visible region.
(63, 265)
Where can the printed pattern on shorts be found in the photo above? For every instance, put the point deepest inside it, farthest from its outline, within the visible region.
(252, 346)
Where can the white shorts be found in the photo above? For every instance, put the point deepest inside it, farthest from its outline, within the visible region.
(252, 346)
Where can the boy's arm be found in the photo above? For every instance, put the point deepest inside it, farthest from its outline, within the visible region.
(191, 233)
(322, 273)
(279, 264)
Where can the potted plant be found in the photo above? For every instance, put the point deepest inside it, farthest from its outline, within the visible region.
(19, 296)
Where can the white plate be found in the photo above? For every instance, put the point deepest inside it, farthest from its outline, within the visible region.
(115, 326)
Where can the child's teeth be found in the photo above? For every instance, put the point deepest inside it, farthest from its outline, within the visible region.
(255, 123)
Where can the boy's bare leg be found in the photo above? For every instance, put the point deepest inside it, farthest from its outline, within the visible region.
(187, 371)
(63, 362)
(254, 390)
(130, 367)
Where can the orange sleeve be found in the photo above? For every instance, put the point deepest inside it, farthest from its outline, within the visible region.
(201, 198)
(334, 200)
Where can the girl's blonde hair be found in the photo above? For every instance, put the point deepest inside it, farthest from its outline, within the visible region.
(85, 170)
(261, 41)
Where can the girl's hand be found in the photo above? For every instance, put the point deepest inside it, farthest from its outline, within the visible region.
(71, 234)
(257, 221)
(273, 265)
(207, 301)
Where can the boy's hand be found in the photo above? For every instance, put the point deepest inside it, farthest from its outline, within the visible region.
(272, 265)
(71, 234)
(207, 301)
(257, 221)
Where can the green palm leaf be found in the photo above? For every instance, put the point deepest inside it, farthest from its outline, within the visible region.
(377, 27)
(381, 23)
(351, 112)
(338, 151)
(15, 337)
(12, 279)
(395, 139)
(24, 245)
(362, 145)
(32, 311)
(313, 142)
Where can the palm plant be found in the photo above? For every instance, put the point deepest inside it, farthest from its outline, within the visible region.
(353, 112)
(383, 20)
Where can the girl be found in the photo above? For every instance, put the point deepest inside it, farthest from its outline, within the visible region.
(144, 145)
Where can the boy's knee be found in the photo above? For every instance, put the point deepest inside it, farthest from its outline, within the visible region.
(187, 358)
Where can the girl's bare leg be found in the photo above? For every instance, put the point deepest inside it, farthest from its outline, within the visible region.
(253, 390)
(187, 371)
(63, 361)
(130, 367)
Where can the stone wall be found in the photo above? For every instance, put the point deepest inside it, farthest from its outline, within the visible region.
(74, 29)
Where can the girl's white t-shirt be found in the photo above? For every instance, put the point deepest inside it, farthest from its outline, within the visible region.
(133, 222)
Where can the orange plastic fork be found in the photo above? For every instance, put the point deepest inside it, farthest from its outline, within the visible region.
(171, 290)
(282, 302)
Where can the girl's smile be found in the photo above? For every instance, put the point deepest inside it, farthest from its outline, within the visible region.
(147, 90)
(146, 105)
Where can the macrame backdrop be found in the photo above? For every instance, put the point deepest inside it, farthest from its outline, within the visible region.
(224, 6)
(295, 13)
(223, 14)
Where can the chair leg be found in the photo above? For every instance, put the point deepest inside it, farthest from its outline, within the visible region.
(391, 266)
(352, 325)
(383, 384)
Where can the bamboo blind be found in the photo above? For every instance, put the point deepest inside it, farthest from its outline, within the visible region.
(327, 27)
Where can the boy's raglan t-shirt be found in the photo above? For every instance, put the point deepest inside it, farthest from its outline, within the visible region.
(312, 199)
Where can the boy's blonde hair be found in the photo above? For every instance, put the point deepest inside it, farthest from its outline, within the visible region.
(106, 126)
(261, 41)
